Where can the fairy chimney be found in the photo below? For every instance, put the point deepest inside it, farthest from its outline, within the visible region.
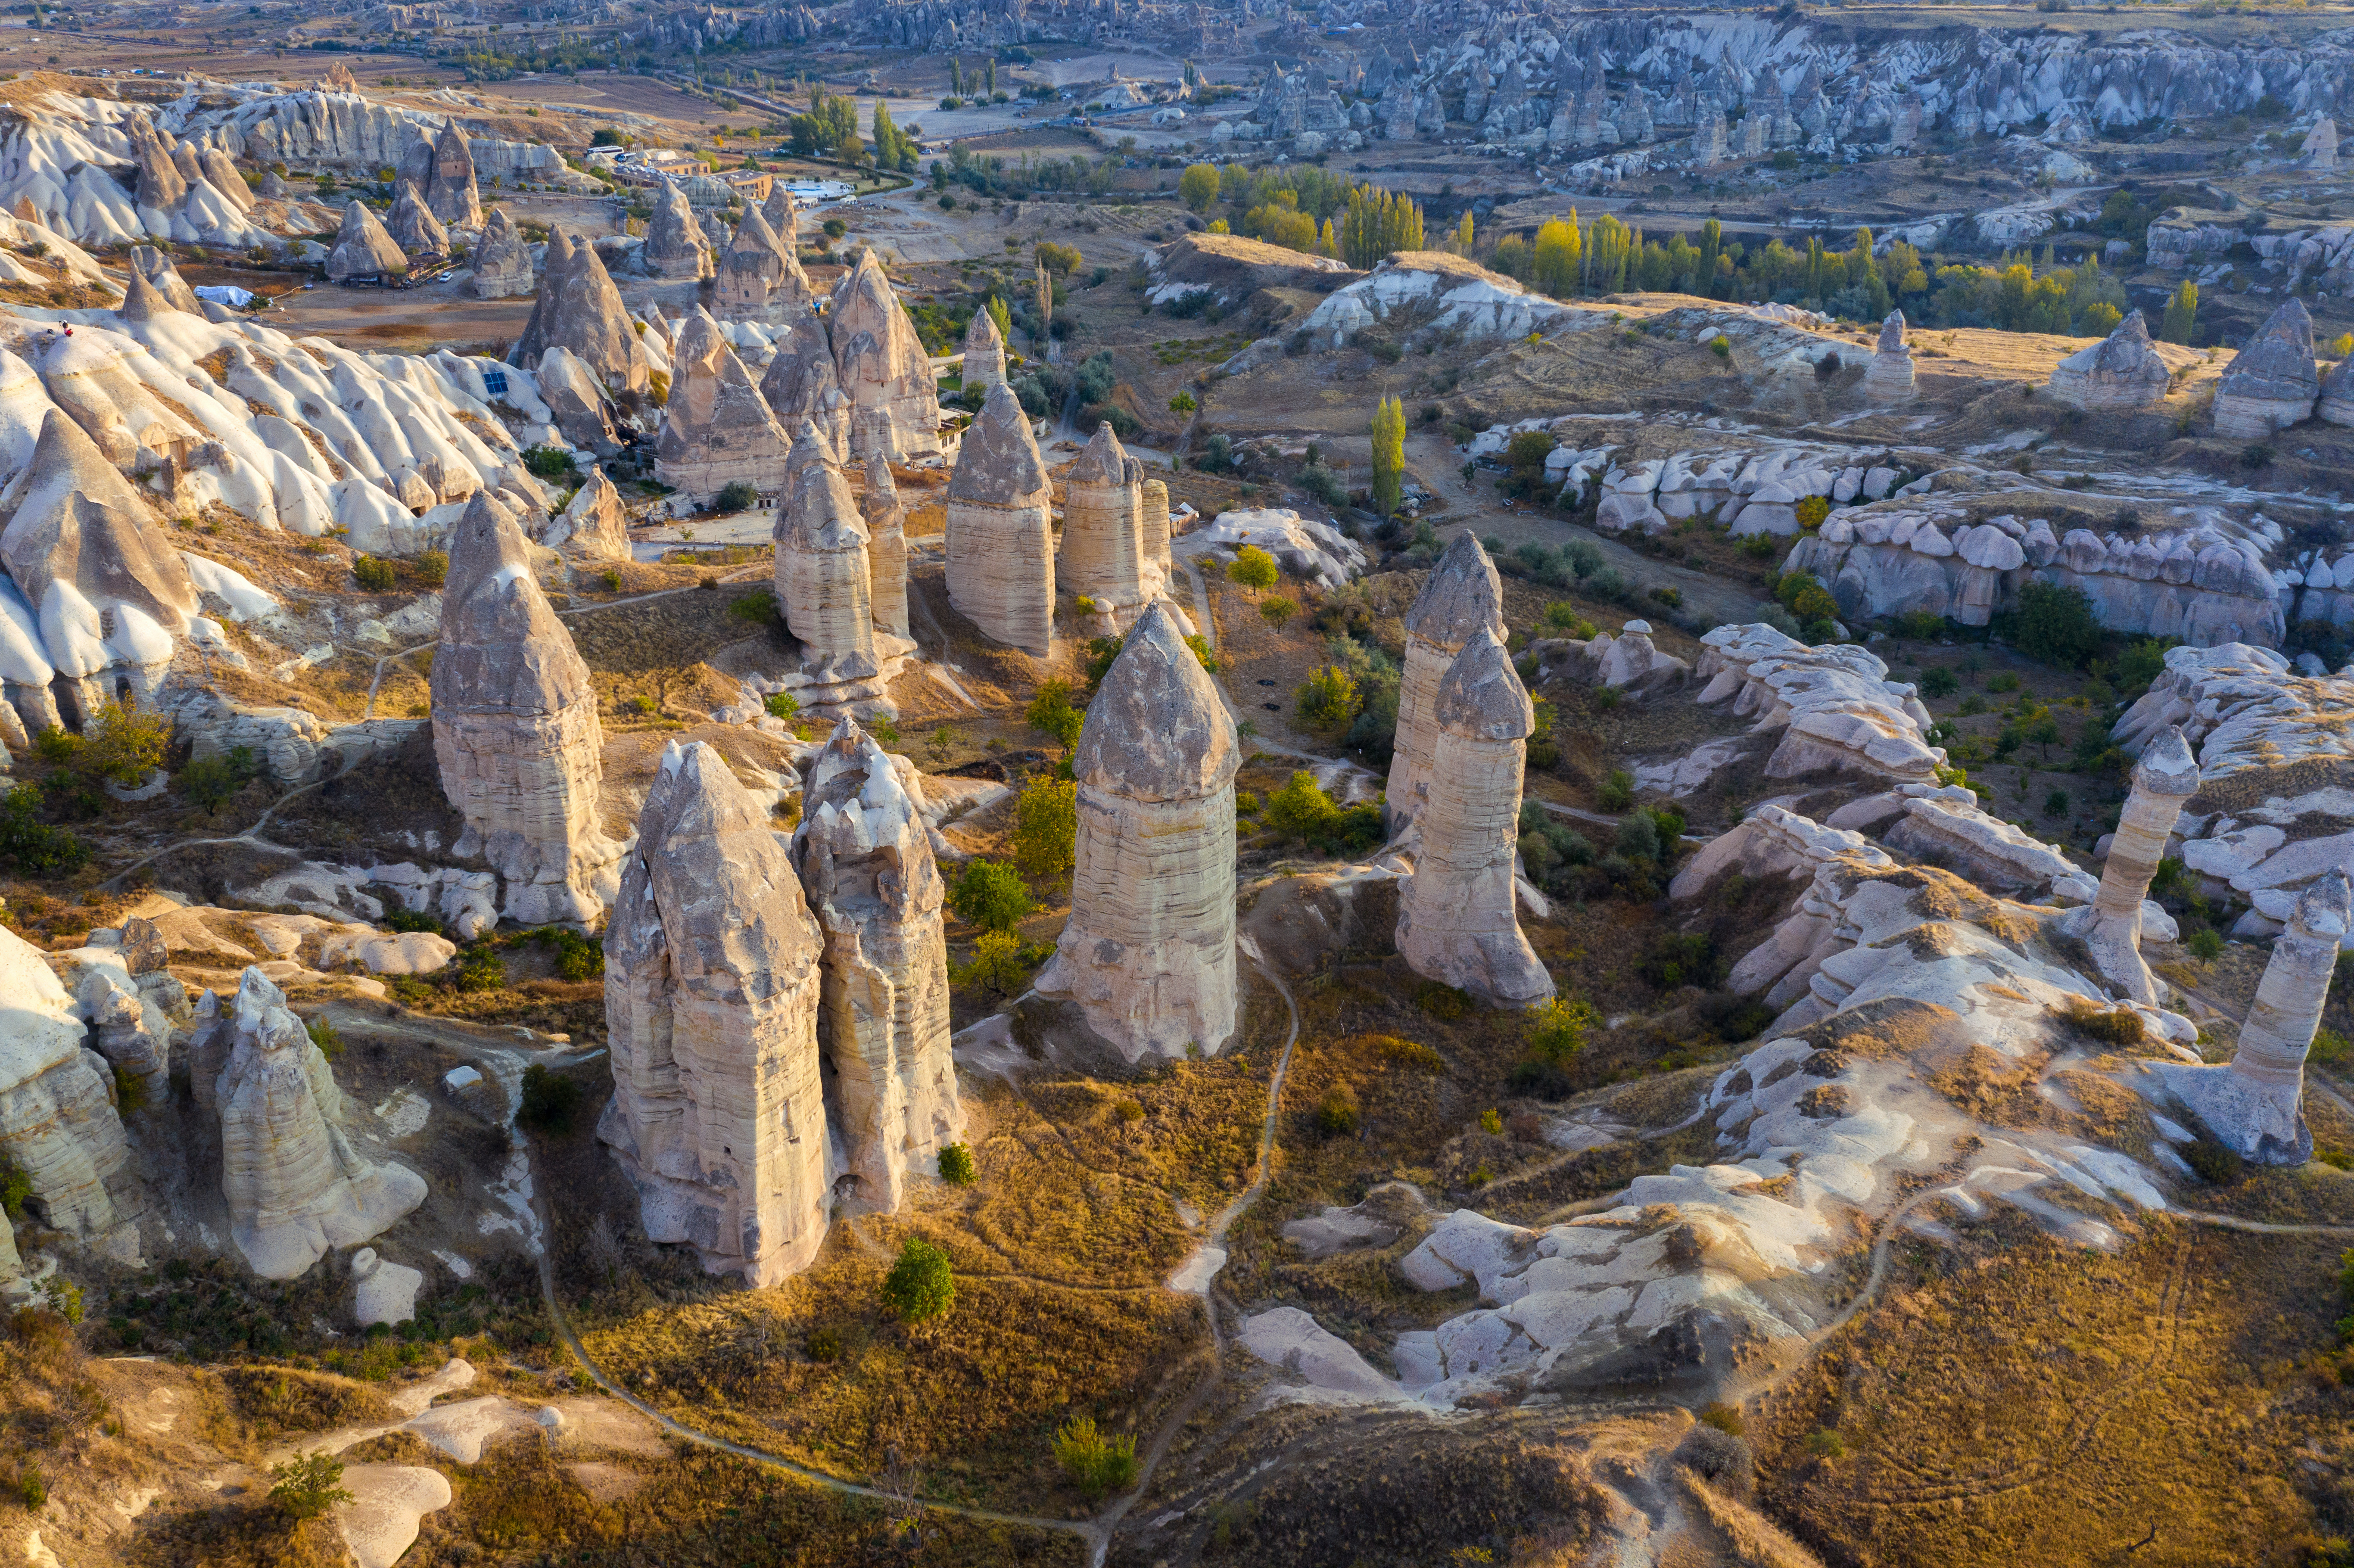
(2272, 381)
(894, 403)
(2110, 926)
(1889, 379)
(716, 429)
(1462, 598)
(887, 547)
(1001, 547)
(822, 583)
(1103, 529)
(984, 352)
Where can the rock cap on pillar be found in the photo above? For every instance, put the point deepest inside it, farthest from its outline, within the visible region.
(1156, 729)
(2166, 766)
(2272, 381)
(1481, 696)
(1464, 594)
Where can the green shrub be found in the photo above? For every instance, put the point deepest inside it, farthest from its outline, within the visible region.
(1724, 1417)
(736, 497)
(1097, 1462)
(376, 577)
(413, 920)
(549, 1098)
(759, 608)
(956, 1166)
(211, 782)
(1328, 698)
(782, 704)
(325, 1036)
(1444, 1002)
(15, 1186)
(989, 896)
(31, 1489)
(481, 969)
(308, 1485)
(1336, 1113)
(549, 463)
(31, 847)
(433, 569)
(2003, 682)
(2214, 1162)
(1939, 682)
(1046, 830)
(920, 1286)
(2054, 625)
(1253, 568)
(823, 1345)
(1050, 713)
(1618, 791)
(1827, 1443)
(2205, 944)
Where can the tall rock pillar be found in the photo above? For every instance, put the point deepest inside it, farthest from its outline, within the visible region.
(1889, 379)
(515, 730)
(1000, 544)
(1156, 527)
(1456, 920)
(1462, 597)
(866, 862)
(824, 585)
(984, 352)
(1148, 951)
(887, 547)
(717, 430)
(2110, 926)
(894, 403)
(2255, 1105)
(1103, 529)
(711, 1004)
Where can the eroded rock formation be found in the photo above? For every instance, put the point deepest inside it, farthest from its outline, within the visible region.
(363, 249)
(592, 526)
(502, 260)
(675, 246)
(2110, 926)
(294, 1185)
(1001, 547)
(895, 406)
(579, 308)
(1834, 706)
(1104, 553)
(2272, 383)
(984, 352)
(716, 429)
(712, 990)
(867, 864)
(1889, 379)
(800, 383)
(515, 730)
(825, 586)
(1456, 920)
(759, 278)
(443, 172)
(1148, 951)
(1462, 597)
(887, 547)
(2121, 371)
(414, 227)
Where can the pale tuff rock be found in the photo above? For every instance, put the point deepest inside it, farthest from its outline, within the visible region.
(502, 260)
(887, 547)
(2110, 926)
(784, 216)
(712, 990)
(801, 383)
(129, 1000)
(824, 586)
(569, 390)
(592, 526)
(2319, 149)
(2271, 383)
(1001, 548)
(2241, 707)
(158, 269)
(984, 352)
(515, 730)
(675, 246)
(1156, 528)
(1442, 293)
(866, 860)
(1835, 705)
(1456, 923)
(1461, 598)
(2337, 404)
(294, 1185)
(447, 181)
(142, 301)
(1148, 951)
(2255, 1105)
(363, 249)
(109, 595)
(716, 429)
(1629, 662)
(1312, 551)
(2121, 371)
(579, 309)
(758, 279)
(414, 227)
(1890, 377)
(57, 1122)
(894, 404)
(1104, 554)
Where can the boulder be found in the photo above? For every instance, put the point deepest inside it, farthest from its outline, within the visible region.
(2121, 371)
(502, 260)
(515, 730)
(1000, 560)
(865, 861)
(2272, 383)
(712, 990)
(1148, 953)
(716, 429)
(363, 249)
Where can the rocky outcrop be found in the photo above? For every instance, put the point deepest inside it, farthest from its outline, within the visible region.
(1889, 379)
(579, 308)
(157, 269)
(801, 383)
(716, 429)
(895, 407)
(2272, 383)
(108, 594)
(675, 246)
(1629, 662)
(2242, 708)
(1462, 597)
(2255, 1105)
(443, 172)
(363, 249)
(1457, 920)
(414, 227)
(502, 260)
(824, 587)
(1835, 707)
(1156, 528)
(1104, 554)
(984, 352)
(887, 547)
(515, 730)
(759, 278)
(57, 1122)
(2110, 926)
(2122, 371)
(712, 992)
(784, 217)
(294, 1185)
(1148, 951)
(571, 391)
(592, 526)
(1001, 547)
(2337, 403)
(866, 862)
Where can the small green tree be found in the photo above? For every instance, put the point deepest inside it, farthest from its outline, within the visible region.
(549, 1099)
(998, 965)
(1198, 186)
(989, 896)
(2055, 625)
(1330, 697)
(1275, 611)
(1046, 829)
(956, 1165)
(920, 1288)
(2181, 314)
(1301, 808)
(308, 1485)
(1557, 1031)
(1389, 455)
(1050, 713)
(1253, 568)
(1097, 1462)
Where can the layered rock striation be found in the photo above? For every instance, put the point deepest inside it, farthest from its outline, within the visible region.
(713, 986)
(866, 862)
(1105, 556)
(1833, 707)
(2121, 372)
(1458, 922)
(1462, 597)
(1148, 954)
(515, 730)
(1001, 548)
(887, 547)
(2272, 383)
(825, 588)
(716, 429)
(2111, 926)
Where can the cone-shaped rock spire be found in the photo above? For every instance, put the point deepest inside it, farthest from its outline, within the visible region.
(1463, 595)
(1148, 951)
(2272, 383)
(363, 249)
(895, 405)
(1104, 554)
(822, 583)
(711, 1003)
(515, 730)
(2121, 371)
(716, 429)
(984, 352)
(451, 189)
(1001, 548)
(759, 278)
(1889, 379)
(501, 261)
(800, 383)
(2110, 926)
(414, 227)
(142, 301)
(579, 309)
(675, 246)
(887, 547)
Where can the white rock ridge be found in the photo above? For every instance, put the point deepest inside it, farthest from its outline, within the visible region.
(515, 730)
(1148, 951)
(712, 991)
(1835, 706)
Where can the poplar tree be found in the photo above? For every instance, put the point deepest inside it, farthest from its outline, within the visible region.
(1389, 455)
